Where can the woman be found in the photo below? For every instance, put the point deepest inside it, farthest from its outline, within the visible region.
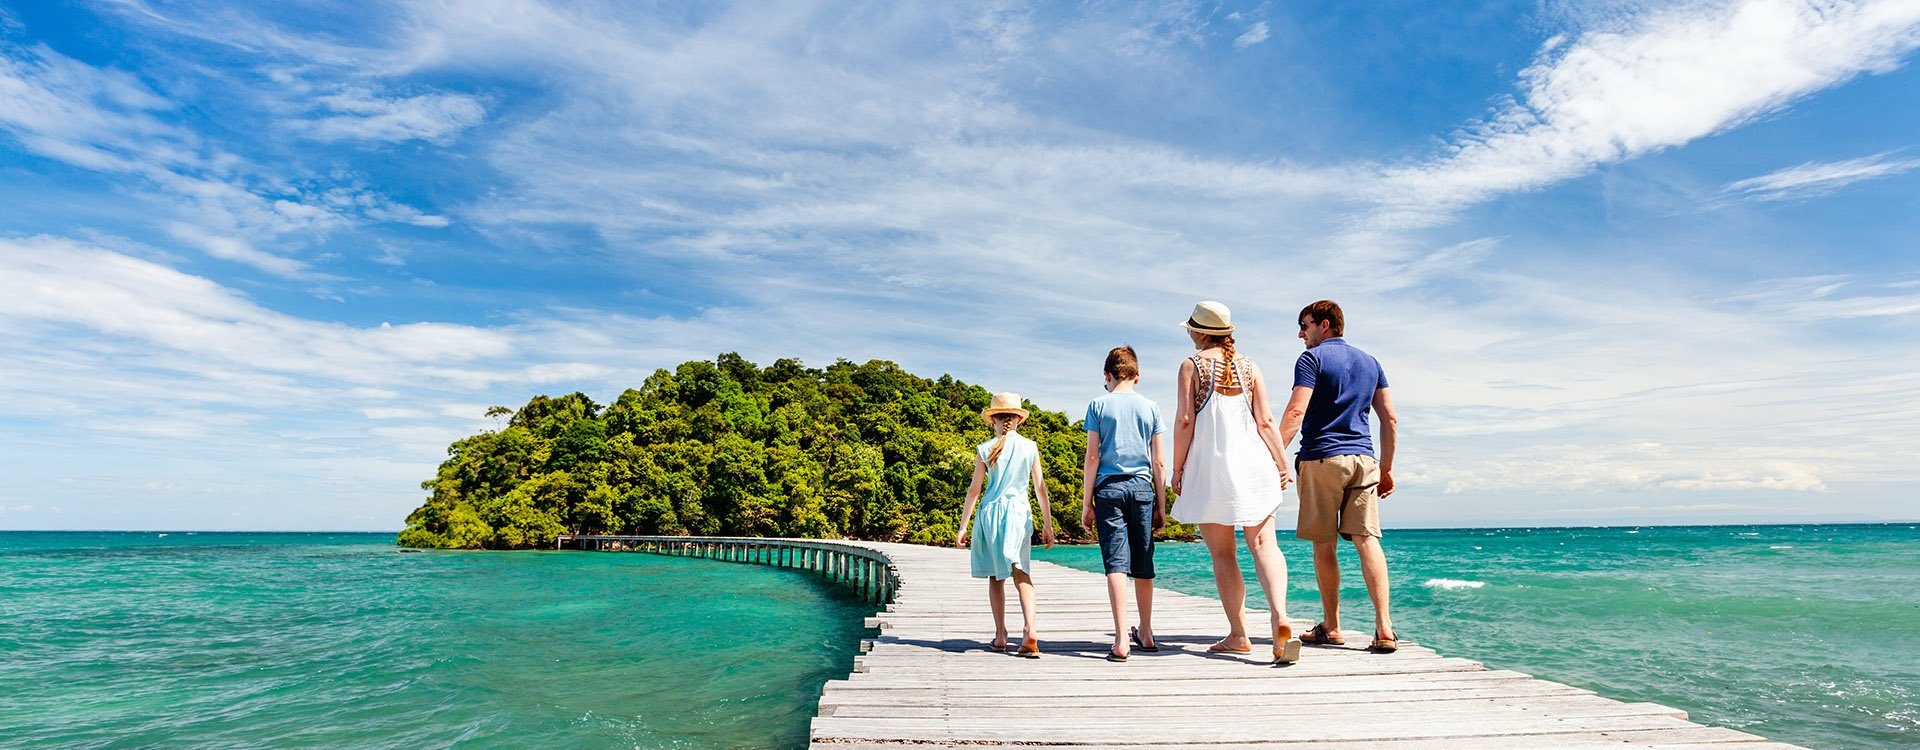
(1225, 435)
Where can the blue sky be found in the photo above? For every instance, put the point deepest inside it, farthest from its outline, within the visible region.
(1625, 262)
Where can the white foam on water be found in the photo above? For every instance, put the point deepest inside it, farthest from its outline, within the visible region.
(1452, 583)
(1781, 546)
(1633, 531)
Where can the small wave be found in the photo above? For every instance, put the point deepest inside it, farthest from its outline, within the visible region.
(1633, 531)
(1781, 546)
(1452, 583)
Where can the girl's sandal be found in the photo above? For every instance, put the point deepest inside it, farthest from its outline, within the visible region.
(1030, 648)
(1286, 648)
(1113, 655)
(997, 646)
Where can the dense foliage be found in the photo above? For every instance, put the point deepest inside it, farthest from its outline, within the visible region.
(727, 448)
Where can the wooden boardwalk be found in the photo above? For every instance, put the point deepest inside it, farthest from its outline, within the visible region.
(928, 681)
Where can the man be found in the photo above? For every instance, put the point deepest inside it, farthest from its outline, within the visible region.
(1341, 482)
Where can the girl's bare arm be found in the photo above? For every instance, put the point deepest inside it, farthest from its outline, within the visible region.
(1046, 506)
(973, 496)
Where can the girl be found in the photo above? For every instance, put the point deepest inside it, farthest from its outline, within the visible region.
(1003, 535)
(1224, 434)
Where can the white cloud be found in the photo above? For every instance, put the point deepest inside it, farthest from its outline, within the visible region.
(1663, 79)
(365, 116)
(1255, 34)
(109, 121)
(1818, 178)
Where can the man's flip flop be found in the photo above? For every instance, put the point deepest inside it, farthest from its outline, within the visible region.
(1385, 644)
(1321, 636)
(1134, 633)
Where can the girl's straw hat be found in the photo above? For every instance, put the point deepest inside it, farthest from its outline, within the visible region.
(1211, 318)
(1003, 403)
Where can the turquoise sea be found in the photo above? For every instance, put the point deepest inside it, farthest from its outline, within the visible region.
(1802, 634)
(1806, 634)
(215, 640)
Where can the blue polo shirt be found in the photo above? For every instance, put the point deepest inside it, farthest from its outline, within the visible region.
(1343, 380)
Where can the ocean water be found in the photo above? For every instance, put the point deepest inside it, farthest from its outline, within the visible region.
(1805, 634)
(215, 640)
(1802, 634)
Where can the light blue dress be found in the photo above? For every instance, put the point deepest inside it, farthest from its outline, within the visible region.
(1003, 521)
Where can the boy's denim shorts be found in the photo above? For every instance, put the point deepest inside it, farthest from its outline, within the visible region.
(1123, 516)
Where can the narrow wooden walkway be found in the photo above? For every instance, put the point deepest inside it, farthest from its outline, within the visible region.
(928, 681)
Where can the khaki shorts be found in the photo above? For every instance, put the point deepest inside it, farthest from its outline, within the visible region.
(1338, 494)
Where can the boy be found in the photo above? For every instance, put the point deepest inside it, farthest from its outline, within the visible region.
(1123, 494)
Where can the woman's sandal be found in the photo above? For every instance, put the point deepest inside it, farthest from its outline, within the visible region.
(1385, 644)
(1286, 648)
(1114, 655)
(997, 647)
(1134, 633)
(1321, 636)
(1030, 648)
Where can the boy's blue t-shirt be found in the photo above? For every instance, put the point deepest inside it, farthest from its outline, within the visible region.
(1126, 423)
(1343, 380)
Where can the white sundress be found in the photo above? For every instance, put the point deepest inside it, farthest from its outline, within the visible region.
(1230, 477)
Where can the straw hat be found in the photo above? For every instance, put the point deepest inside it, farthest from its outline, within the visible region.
(1003, 403)
(1211, 318)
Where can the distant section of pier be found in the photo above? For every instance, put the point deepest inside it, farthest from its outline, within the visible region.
(928, 680)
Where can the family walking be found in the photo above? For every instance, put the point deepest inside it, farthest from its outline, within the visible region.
(1229, 472)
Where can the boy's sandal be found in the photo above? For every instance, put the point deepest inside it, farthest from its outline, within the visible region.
(1385, 644)
(1321, 636)
(1030, 648)
(1134, 633)
(1113, 655)
(1223, 648)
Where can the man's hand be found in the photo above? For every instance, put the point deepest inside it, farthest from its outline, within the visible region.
(1086, 516)
(1386, 482)
(1159, 516)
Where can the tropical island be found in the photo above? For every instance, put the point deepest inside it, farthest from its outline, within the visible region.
(727, 448)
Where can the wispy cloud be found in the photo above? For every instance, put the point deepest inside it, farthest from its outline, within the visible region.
(1659, 80)
(362, 115)
(1254, 34)
(1818, 178)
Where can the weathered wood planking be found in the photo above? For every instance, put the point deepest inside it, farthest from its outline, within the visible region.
(928, 681)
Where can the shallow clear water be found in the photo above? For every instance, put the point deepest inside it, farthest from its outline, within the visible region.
(1803, 634)
(340, 640)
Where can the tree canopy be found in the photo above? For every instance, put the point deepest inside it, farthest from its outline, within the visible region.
(865, 451)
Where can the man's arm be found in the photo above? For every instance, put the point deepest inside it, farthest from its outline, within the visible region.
(1295, 415)
(1389, 433)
